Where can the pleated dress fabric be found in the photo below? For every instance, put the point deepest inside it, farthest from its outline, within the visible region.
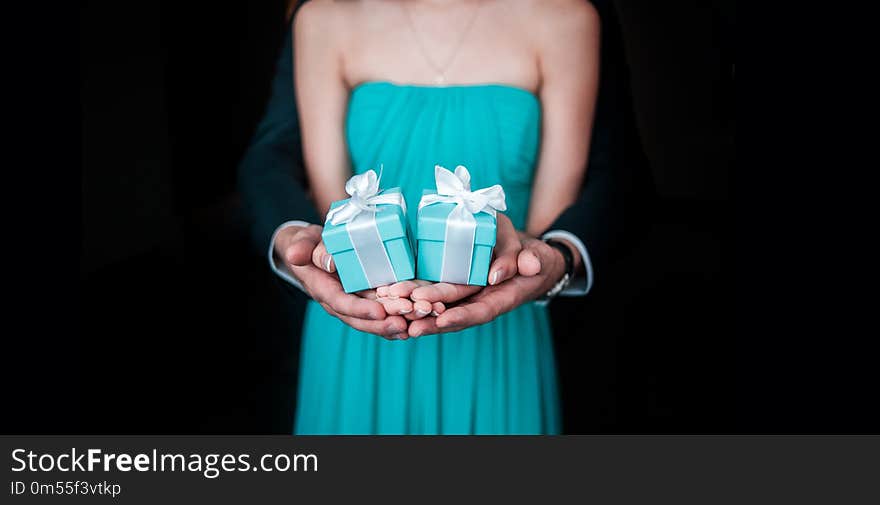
(496, 378)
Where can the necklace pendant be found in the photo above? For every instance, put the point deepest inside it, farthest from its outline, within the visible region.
(440, 79)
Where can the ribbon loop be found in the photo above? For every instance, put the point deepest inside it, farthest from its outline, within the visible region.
(364, 191)
(456, 188)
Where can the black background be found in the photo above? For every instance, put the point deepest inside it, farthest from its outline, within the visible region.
(174, 324)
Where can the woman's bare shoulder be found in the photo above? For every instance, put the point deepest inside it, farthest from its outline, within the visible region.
(557, 20)
(313, 18)
(334, 20)
(336, 11)
(558, 10)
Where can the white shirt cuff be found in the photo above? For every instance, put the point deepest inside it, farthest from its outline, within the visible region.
(580, 285)
(281, 268)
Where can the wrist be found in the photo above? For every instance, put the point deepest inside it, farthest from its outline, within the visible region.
(579, 268)
(563, 270)
(577, 261)
(563, 255)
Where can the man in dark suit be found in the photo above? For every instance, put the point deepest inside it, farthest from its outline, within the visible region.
(607, 217)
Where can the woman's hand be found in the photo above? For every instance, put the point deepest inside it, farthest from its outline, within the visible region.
(396, 299)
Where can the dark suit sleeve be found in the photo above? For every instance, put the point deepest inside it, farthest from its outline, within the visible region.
(271, 176)
(613, 209)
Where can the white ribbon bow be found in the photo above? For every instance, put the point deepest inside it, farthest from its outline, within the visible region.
(461, 225)
(456, 188)
(364, 191)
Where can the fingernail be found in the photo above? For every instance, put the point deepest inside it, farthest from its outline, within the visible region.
(326, 261)
(400, 336)
(422, 312)
(434, 313)
(404, 311)
(495, 277)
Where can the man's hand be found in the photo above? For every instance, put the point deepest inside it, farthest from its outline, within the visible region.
(303, 252)
(540, 267)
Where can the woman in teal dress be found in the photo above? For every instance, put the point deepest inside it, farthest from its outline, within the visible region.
(526, 131)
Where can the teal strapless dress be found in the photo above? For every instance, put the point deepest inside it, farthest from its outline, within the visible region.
(497, 378)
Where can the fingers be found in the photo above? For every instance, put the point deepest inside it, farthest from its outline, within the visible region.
(421, 308)
(467, 315)
(396, 306)
(421, 327)
(507, 247)
(454, 319)
(391, 328)
(428, 325)
(299, 247)
(322, 259)
(401, 289)
(395, 298)
(355, 306)
(529, 261)
(480, 308)
(326, 289)
(369, 294)
(443, 292)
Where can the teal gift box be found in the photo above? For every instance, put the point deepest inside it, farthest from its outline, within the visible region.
(374, 248)
(432, 246)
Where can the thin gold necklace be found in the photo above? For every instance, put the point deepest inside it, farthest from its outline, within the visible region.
(440, 78)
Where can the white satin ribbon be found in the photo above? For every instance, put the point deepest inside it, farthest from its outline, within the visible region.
(461, 226)
(364, 191)
(358, 213)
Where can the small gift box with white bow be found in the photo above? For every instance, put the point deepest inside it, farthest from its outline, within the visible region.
(456, 229)
(367, 235)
